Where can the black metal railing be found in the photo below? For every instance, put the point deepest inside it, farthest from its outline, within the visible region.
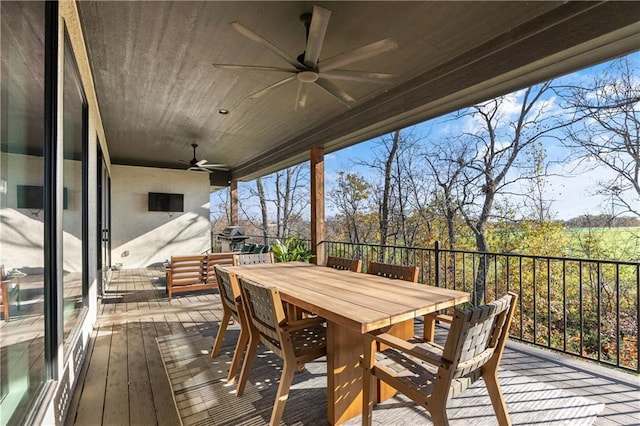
(583, 307)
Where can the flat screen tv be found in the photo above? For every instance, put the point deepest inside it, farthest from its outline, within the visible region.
(163, 202)
(31, 197)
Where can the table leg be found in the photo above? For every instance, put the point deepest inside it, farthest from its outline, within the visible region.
(429, 331)
(344, 375)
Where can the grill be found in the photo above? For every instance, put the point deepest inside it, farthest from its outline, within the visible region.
(232, 238)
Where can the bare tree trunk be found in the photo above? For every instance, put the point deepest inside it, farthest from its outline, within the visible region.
(279, 231)
(263, 208)
(287, 204)
(451, 228)
(479, 286)
(403, 216)
(386, 194)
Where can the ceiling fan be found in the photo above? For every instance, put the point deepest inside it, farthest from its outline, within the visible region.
(202, 165)
(308, 69)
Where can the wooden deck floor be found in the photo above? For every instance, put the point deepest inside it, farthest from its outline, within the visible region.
(124, 383)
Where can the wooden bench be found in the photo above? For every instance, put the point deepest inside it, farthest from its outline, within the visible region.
(189, 273)
(9, 289)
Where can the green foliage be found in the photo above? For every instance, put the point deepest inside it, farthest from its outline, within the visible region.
(292, 249)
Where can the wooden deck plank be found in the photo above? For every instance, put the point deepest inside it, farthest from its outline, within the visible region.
(140, 393)
(116, 399)
(91, 403)
(166, 414)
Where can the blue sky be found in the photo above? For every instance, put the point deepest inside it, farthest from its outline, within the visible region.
(573, 189)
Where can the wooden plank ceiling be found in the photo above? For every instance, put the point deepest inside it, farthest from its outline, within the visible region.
(159, 92)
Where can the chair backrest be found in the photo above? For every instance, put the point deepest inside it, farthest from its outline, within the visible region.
(229, 291)
(186, 270)
(477, 335)
(257, 249)
(209, 265)
(252, 258)
(398, 272)
(266, 314)
(343, 264)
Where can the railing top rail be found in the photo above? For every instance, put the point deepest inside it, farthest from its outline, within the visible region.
(490, 253)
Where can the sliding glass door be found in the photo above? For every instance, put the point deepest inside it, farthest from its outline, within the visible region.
(104, 225)
(74, 210)
(22, 210)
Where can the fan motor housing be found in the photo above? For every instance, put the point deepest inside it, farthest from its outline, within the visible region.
(307, 76)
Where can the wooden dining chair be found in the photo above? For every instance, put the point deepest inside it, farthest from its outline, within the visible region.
(232, 308)
(296, 342)
(430, 374)
(261, 258)
(353, 265)
(397, 272)
(252, 258)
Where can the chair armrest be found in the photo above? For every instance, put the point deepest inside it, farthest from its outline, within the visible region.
(440, 317)
(298, 324)
(409, 348)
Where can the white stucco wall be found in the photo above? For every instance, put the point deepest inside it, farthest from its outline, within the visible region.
(140, 238)
(22, 230)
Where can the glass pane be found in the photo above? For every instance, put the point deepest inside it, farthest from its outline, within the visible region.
(72, 193)
(21, 207)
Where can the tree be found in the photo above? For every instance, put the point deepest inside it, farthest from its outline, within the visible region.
(397, 177)
(606, 129)
(284, 192)
(386, 193)
(504, 128)
(446, 162)
(219, 214)
(263, 210)
(350, 198)
(291, 197)
(537, 205)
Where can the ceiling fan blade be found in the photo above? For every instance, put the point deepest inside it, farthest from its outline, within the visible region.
(335, 91)
(261, 92)
(362, 76)
(301, 98)
(358, 54)
(252, 68)
(223, 167)
(266, 43)
(200, 163)
(317, 32)
(198, 169)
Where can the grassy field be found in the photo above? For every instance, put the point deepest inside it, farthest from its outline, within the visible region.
(621, 243)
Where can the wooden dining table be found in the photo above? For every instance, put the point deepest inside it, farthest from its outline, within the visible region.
(353, 304)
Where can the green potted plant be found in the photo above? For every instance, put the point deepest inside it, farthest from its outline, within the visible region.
(291, 250)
